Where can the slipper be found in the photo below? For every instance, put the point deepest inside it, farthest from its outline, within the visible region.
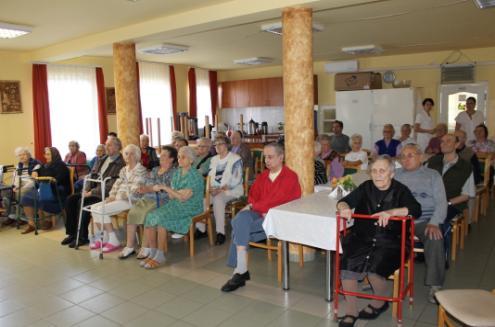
(152, 264)
(96, 245)
(141, 255)
(109, 247)
(375, 312)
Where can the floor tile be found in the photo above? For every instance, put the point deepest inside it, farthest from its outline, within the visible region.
(152, 318)
(179, 307)
(124, 312)
(294, 318)
(153, 298)
(101, 303)
(81, 294)
(70, 316)
(97, 321)
(207, 316)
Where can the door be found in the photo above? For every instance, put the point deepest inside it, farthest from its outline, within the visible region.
(453, 100)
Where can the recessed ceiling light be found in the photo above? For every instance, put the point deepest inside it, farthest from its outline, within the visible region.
(276, 28)
(253, 61)
(164, 49)
(485, 4)
(10, 31)
(363, 49)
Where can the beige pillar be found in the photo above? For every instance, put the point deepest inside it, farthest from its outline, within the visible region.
(126, 92)
(298, 94)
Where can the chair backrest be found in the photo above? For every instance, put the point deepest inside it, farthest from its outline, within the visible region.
(246, 181)
(486, 169)
(259, 160)
(72, 172)
(207, 200)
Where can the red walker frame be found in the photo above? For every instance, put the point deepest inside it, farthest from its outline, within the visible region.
(403, 289)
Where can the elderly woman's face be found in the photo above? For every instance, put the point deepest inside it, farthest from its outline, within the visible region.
(166, 160)
(24, 157)
(221, 147)
(356, 144)
(100, 151)
(325, 146)
(184, 160)
(72, 148)
(202, 149)
(129, 156)
(381, 174)
(479, 133)
(48, 155)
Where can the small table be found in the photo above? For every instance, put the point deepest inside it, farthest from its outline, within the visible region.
(311, 221)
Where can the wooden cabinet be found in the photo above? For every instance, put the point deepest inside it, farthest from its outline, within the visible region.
(262, 92)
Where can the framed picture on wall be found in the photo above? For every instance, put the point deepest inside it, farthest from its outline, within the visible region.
(110, 100)
(10, 97)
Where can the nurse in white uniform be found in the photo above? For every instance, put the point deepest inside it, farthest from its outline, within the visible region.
(423, 125)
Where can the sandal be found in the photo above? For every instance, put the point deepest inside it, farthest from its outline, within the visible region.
(351, 323)
(375, 312)
(152, 264)
(143, 263)
(141, 255)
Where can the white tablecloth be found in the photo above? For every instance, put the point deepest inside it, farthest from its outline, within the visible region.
(310, 220)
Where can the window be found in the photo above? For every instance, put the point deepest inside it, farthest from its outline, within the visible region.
(156, 101)
(73, 99)
(203, 97)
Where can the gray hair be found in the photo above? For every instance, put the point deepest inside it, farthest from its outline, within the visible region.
(357, 137)
(21, 150)
(412, 146)
(74, 143)
(388, 159)
(324, 137)
(317, 148)
(144, 136)
(189, 152)
(116, 141)
(176, 134)
(100, 146)
(135, 150)
(205, 140)
(279, 149)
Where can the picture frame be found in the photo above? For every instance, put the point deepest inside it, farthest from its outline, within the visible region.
(110, 102)
(10, 97)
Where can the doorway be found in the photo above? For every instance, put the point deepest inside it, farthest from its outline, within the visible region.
(453, 100)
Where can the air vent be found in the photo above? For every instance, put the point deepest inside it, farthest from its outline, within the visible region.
(457, 74)
(253, 61)
(164, 49)
(484, 4)
(276, 28)
(363, 49)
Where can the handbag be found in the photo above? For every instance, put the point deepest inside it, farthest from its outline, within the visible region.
(45, 192)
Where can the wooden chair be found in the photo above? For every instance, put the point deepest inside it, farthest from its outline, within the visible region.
(270, 247)
(235, 205)
(72, 173)
(259, 160)
(469, 307)
(459, 231)
(483, 190)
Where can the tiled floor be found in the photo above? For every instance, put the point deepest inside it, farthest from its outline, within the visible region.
(45, 284)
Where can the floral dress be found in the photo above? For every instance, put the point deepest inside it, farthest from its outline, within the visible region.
(176, 216)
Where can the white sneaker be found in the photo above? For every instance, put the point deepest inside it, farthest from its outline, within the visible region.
(431, 294)
(177, 236)
(126, 253)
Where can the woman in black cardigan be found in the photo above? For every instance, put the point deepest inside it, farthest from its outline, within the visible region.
(57, 169)
(372, 247)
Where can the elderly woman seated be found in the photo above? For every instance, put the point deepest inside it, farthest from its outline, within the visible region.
(482, 144)
(131, 178)
(77, 158)
(331, 157)
(186, 201)
(203, 156)
(57, 169)
(26, 166)
(320, 171)
(372, 248)
(100, 153)
(149, 159)
(161, 175)
(225, 182)
(434, 144)
(240, 148)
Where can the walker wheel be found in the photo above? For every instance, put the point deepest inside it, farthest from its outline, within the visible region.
(101, 256)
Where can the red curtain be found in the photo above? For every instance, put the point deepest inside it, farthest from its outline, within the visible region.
(173, 89)
(41, 111)
(102, 114)
(191, 77)
(214, 94)
(139, 101)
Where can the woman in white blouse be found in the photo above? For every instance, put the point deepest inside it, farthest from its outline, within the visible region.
(468, 120)
(226, 175)
(423, 125)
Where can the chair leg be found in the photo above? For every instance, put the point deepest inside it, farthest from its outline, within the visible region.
(453, 247)
(279, 263)
(191, 239)
(486, 195)
(165, 245)
(301, 255)
(209, 225)
(476, 211)
(465, 222)
(269, 252)
(441, 316)
(395, 293)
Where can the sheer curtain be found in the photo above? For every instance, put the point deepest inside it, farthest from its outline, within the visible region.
(73, 98)
(203, 96)
(156, 100)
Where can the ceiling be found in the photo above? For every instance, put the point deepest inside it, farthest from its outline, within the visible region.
(218, 32)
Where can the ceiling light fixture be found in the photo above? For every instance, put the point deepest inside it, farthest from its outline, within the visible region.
(253, 61)
(10, 31)
(363, 49)
(276, 28)
(164, 49)
(484, 4)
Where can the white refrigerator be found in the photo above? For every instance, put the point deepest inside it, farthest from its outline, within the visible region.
(365, 112)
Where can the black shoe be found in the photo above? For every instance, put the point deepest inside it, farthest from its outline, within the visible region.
(80, 243)
(220, 239)
(69, 239)
(351, 323)
(235, 282)
(375, 312)
(198, 234)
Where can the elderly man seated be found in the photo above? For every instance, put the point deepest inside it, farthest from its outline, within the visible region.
(427, 188)
(457, 175)
(275, 186)
(203, 156)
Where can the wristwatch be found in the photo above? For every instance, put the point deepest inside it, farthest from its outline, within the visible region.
(449, 203)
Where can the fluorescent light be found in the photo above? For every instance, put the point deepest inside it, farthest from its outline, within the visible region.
(164, 49)
(484, 4)
(253, 61)
(363, 49)
(276, 28)
(10, 31)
